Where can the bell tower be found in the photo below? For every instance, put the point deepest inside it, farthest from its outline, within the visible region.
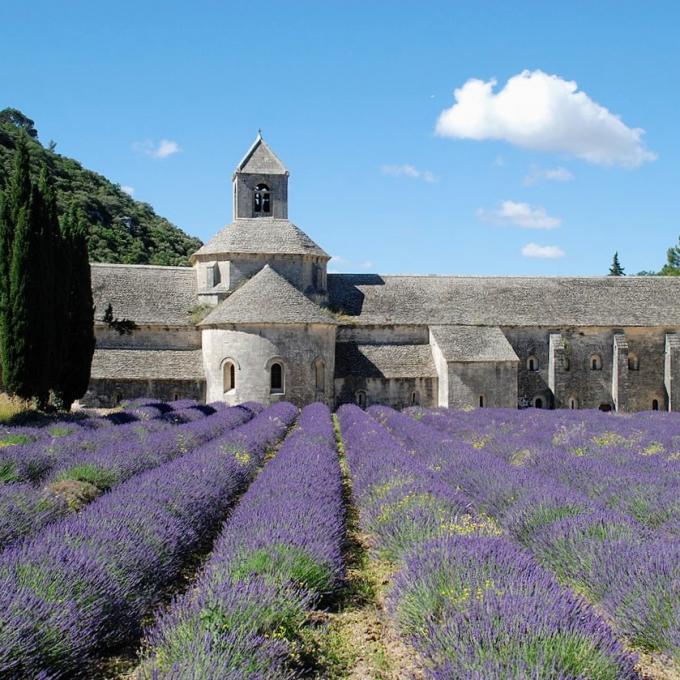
(260, 184)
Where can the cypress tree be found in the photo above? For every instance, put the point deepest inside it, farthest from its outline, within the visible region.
(79, 318)
(616, 269)
(14, 207)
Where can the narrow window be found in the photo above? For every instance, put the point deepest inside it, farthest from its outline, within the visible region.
(415, 399)
(595, 362)
(262, 199)
(481, 401)
(538, 402)
(565, 364)
(573, 404)
(276, 378)
(320, 375)
(532, 364)
(633, 362)
(229, 376)
(175, 397)
(118, 397)
(655, 404)
(360, 398)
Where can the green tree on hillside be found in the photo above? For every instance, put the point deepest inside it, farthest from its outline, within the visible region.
(616, 269)
(672, 266)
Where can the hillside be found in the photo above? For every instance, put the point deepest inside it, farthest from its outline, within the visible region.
(122, 230)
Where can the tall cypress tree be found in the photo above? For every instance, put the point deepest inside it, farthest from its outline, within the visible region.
(616, 269)
(79, 319)
(14, 209)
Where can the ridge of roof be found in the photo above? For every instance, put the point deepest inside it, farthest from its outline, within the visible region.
(140, 266)
(267, 297)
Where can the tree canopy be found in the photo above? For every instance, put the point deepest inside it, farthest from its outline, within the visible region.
(120, 229)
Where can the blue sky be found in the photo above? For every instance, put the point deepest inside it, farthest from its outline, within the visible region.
(526, 176)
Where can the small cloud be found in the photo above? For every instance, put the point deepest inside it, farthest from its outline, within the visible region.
(544, 112)
(407, 170)
(164, 148)
(339, 264)
(130, 191)
(558, 174)
(520, 214)
(545, 252)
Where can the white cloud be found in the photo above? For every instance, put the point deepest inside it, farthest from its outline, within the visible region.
(558, 174)
(520, 214)
(130, 191)
(535, 110)
(164, 148)
(407, 170)
(549, 252)
(338, 263)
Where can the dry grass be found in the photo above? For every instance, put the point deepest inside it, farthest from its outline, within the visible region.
(14, 410)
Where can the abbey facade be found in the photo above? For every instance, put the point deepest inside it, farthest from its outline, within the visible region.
(257, 317)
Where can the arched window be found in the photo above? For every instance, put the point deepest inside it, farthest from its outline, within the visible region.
(538, 402)
(360, 398)
(276, 378)
(118, 397)
(262, 199)
(320, 375)
(228, 376)
(175, 397)
(415, 398)
(481, 401)
(532, 364)
(595, 362)
(566, 364)
(573, 403)
(633, 362)
(655, 404)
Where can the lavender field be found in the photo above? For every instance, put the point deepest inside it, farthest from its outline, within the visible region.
(185, 541)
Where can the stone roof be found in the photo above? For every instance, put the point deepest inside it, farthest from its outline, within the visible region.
(146, 364)
(261, 235)
(267, 297)
(507, 301)
(473, 343)
(261, 160)
(145, 294)
(383, 361)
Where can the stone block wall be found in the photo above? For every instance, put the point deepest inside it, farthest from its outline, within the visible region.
(108, 393)
(395, 392)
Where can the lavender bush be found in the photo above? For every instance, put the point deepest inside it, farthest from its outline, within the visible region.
(278, 555)
(83, 584)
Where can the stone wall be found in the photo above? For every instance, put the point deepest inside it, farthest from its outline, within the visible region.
(494, 381)
(108, 393)
(386, 334)
(253, 348)
(395, 392)
(149, 337)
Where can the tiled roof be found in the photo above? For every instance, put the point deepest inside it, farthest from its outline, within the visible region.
(383, 361)
(473, 343)
(261, 160)
(144, 364)
(507, 301)
(145, 294)
(267, 297)
(261, 235)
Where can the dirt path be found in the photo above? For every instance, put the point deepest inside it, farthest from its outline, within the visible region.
(356, 640)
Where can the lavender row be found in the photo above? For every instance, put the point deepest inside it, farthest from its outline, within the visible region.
(278, 555)
(628, 571)
(629, 464)
(473, 604)
(83, 584)
(32, 462)
(25, 509)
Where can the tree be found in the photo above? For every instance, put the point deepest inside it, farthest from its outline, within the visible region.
(616, 269)
(672, 266)
(79, 340)
(19, 120)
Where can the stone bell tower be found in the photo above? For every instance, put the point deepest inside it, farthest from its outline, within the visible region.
(260, 184)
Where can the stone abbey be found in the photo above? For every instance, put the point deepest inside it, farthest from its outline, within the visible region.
(257, 317)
